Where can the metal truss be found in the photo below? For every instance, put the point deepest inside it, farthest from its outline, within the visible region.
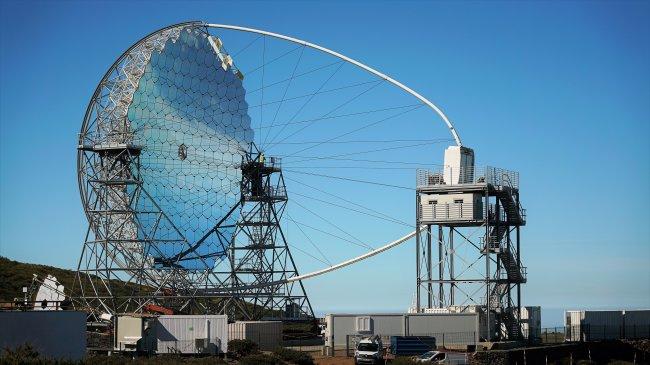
(117, 271)
(259, 256)
(126, 263)
(477, 263)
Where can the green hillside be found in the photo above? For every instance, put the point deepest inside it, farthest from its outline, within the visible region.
(14, 275)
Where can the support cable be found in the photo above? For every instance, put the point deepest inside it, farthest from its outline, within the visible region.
(333, 225)
(379, 82)
(284, 95)
(327, 233)
(441, 140)
(310, 241)
(361, 152)
(352, 180)
(344, 115)
(340, 198)
(357, 130)
(352, 209)
(308, 101)
(343, 264)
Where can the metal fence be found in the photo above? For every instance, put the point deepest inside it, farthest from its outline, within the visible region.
(447, 175)
(606, 332)
(467, 341)
(194, 346)
(587, 333)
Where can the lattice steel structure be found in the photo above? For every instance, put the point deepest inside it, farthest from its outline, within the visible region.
(163, 156)
(260, 259)
(184, 211)
(474, 217)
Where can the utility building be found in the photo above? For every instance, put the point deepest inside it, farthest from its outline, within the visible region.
(468, 242)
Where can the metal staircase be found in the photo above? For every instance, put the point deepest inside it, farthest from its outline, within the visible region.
(497, 292)
(508, 195)
(511, 323)
(516, 274)
(513, 272)
(506, 255)
(498, 217)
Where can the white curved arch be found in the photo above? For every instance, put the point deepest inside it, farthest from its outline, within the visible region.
(352, 61)
(374, 252)
(312, 274)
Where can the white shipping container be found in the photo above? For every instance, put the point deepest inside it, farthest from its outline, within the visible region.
(192, 334)
(573, 318)
(340, 326)
(531, 322)
(267, 334)
(572, 324)
(128, 331)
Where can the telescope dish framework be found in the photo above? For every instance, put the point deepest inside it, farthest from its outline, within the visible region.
(183, 159)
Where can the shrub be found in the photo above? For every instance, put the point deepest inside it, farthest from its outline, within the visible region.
(293, 356)
(20, 354)
(260, 359)
(240, 348)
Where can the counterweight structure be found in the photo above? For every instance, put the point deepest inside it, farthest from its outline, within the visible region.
(468, 242)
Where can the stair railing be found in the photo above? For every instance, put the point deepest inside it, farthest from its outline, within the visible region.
(522, 212)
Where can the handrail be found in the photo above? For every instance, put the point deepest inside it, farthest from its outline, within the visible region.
(448, 175)
(522, 212)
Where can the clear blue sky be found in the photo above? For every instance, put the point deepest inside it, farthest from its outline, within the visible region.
(559, 91)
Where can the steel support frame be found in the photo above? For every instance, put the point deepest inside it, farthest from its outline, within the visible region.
(499, 299)
(259, 254)
(117, 271)
(117, 274)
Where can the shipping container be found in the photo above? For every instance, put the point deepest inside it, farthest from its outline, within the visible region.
(531, 322)
(57, 335)
(411, 345)
(483, 319)
(637, 323)
(573, 325)
(192, 334)
(135, 332)
(602, 325)
(267, 334)
(596, 325)
(459, 329)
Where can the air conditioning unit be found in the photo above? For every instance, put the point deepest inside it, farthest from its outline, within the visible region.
(201, 344)
(363, 324)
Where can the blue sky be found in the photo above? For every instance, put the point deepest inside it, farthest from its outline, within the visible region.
(559, 91)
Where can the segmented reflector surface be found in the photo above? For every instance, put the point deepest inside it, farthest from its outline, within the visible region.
(190, 117)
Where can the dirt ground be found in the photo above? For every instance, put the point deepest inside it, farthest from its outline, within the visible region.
(334, 360)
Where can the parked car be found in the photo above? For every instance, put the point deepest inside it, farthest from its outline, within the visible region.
(369, 351)
(431, 357)
(440, 357)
